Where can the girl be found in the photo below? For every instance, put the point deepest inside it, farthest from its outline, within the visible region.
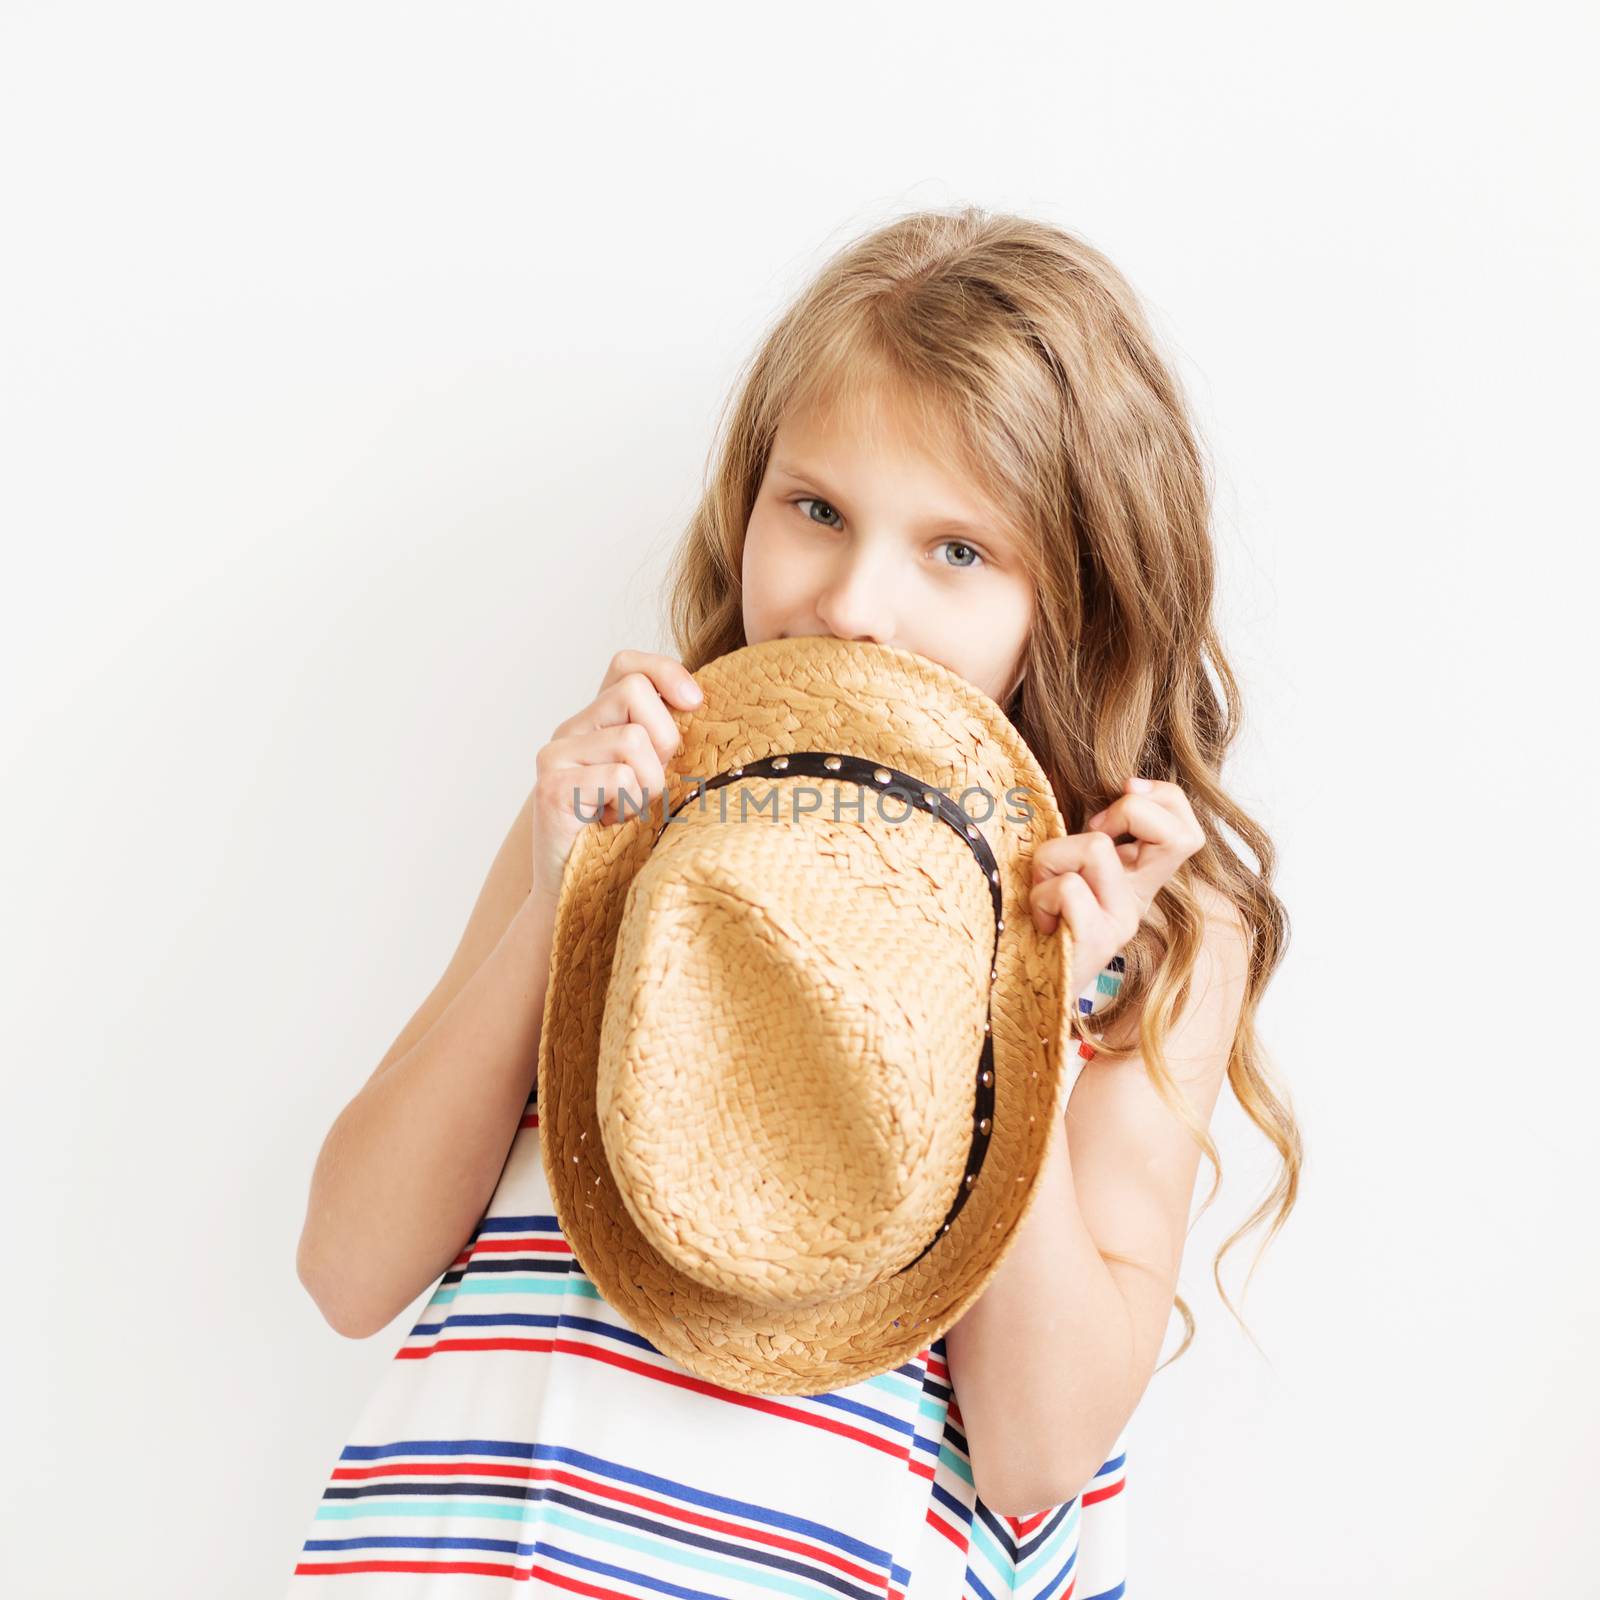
(960, 440)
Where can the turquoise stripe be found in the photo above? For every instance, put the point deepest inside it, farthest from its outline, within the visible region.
(540, 1514)
(511, 1283)
(409, 1506)
(948, 1458)
(895, 1385)
(1049, 1554)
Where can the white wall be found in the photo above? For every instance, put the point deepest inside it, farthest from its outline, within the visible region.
(360, 365)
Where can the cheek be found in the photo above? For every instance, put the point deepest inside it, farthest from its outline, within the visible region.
(768, 567)
(761, 575)
(755, 563)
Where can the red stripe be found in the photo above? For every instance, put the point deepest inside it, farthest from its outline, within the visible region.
(661, 1375)
(319, 1569)
(1023, 1526)
(496, 1244)
(445, 1469)
(1092, 1495)
(501, 1243)
(333, 1569)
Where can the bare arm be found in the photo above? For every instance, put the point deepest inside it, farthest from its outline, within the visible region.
(409, 1166)
(1051, 1362)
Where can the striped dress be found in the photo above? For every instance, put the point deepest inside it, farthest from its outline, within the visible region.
(525, 1441)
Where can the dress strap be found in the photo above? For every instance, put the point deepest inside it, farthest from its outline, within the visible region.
(1103, 987)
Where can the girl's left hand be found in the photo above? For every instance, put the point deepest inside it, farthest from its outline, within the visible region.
(1104, 889)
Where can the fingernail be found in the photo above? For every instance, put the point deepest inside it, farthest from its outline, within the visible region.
(1140, 784)
(693, 693)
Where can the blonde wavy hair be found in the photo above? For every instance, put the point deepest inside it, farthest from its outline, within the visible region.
(1024, 351)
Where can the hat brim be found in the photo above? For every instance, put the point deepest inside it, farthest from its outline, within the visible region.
(900, 708)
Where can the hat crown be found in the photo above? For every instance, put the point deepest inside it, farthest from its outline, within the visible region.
(801, 1002)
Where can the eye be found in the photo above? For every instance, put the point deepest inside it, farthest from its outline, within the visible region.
(811, 500)
(970, 549)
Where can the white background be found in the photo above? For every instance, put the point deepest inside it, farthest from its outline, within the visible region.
(360, 368)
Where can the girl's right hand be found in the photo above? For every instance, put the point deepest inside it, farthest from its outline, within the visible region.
(617, 744)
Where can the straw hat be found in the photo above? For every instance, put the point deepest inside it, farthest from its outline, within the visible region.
(803, 1045)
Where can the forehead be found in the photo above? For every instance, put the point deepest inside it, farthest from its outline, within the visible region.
(893, 413)
(832, 431)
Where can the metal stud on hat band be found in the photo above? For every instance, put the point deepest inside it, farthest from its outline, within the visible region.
(911, 789)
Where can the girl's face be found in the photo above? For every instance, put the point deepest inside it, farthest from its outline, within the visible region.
(856, 532)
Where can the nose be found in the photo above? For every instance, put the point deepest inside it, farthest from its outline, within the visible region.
(855, 603)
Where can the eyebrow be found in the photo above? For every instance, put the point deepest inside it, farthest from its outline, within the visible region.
(796, 469)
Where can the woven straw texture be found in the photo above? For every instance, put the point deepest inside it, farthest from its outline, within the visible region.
(767, 1031)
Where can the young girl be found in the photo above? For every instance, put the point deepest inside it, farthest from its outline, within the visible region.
(960, 440)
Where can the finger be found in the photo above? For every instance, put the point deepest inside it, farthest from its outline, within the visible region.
(671, 678)
(623, 743)
(1054, 855)
(633, 698)
(1045, 902)
(637, 699)
(1064, 901)
(1169, 796)
(596, 793)
(1146, 818)
(1161, 842)
(1078, 906)
(1103, 869)
(1068, 852)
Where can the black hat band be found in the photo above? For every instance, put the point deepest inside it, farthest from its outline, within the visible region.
(918, 795)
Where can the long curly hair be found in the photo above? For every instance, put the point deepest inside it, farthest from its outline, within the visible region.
(1025, 351)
